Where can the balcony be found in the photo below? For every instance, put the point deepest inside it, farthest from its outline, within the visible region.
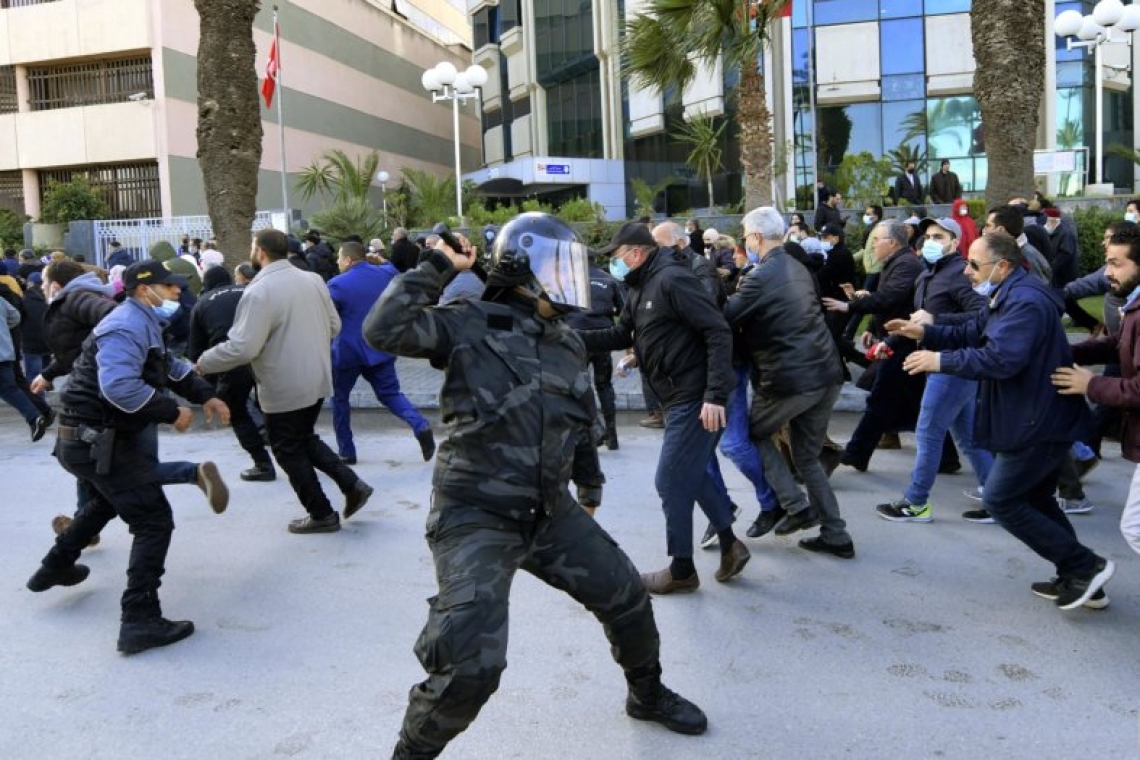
(99, 134)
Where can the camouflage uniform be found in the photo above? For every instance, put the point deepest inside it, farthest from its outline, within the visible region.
(517, 400)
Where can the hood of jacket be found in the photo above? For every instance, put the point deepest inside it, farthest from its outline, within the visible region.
(162, 251)
(89, 281)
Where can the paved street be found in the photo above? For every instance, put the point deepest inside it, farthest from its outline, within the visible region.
(927, 645)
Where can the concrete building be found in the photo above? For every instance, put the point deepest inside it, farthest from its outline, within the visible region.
(107, 88)
(558, 121)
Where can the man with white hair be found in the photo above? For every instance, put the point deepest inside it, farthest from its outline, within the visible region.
(776, 313)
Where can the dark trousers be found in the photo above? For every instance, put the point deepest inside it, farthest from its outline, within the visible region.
(132, 492)
(892, 405)
(385, 384)
(683, 477)
(1108, 418)
(1080, 317)
(1069, 480)
(652, 403)
(13, 395)
(234, 388)
(603, 365)
(1019, 495)
(463, 646)
(300, 453)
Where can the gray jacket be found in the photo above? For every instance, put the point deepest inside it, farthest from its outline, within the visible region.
(12, 318)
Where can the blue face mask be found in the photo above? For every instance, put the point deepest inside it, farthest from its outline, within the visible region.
(826, 246)
(753, 257)
(166, 309)
(984, 288)
(619, 269)
(932, 251)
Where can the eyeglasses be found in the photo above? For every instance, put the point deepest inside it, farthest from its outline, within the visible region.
(976, 266)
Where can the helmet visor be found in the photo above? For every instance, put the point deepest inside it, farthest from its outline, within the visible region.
(561, 268)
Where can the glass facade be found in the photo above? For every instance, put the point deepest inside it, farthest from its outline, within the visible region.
(568, 70)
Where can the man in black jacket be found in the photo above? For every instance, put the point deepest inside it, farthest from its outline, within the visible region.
(684, 346)
(908, 187)
(895, 396)
(405, 254)
(800, 374)
(210, 324)
(828, 213)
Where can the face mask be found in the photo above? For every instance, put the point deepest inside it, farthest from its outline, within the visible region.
(964, 212)
(868, 219)
(1130, 217)
(753, 257)
(826, 246)
(619, 269)
(932, 251)
(166, 309)
(985, 288)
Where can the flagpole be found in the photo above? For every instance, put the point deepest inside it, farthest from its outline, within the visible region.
(281, 119)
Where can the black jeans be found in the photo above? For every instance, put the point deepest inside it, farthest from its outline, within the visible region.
(892, 406)
(603, 365)
(234, 388)
(300, 453)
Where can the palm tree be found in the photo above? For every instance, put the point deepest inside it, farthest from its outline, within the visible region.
(229, 119)
(1009, 82)
(665, 44)
(336, 174)
(703, 135)
(431, 198)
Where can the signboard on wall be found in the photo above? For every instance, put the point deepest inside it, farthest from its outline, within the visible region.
(550, 171)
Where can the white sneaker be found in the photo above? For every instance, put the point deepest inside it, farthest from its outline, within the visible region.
(973, 493)
(1075, 506)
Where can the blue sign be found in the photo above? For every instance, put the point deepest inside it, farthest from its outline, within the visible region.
(554, 168)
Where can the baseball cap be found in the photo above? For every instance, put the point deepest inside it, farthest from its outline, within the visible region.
(630, 233)
(1053, 213)
(833, 229)
(150, 272)
(946, 223)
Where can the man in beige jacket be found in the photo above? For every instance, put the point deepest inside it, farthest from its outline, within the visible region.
(284, 325)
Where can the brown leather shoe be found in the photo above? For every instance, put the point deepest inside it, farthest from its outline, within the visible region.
(60, 523)
(655, 420)
(733, 561)
(890, 441)
(211, 483)
(662, 582)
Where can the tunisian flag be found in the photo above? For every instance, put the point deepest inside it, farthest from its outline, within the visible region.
(269, 84)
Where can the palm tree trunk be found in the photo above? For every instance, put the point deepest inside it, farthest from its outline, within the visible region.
(1009, 48)
(755, 123)
(712, 204)
(229, 120)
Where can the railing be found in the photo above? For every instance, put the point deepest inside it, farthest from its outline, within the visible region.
(86, 84)
(138, 235)
(130, 190)
(23, 3)
(8, 101)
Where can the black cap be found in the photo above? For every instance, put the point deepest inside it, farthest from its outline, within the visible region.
(833, 229)
(630, 233)
(150, 272)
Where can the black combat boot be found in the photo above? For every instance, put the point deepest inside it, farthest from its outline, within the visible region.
(46, 577)
(139, 635)
(403, 752)
(611, 436)
(649, 699)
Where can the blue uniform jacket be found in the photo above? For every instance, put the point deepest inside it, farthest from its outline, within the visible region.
(1012, 347)
(353, 293)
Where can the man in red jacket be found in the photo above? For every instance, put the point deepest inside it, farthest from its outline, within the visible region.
(1122, 268)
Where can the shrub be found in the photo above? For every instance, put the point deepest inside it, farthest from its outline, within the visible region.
(71, 202)
(581, 210)
(12, 229)
(1090, 232)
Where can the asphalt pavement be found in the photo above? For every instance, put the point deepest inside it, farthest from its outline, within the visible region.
(927, 645)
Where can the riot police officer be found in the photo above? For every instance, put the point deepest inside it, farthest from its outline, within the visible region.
(114, 395)
(517, 400)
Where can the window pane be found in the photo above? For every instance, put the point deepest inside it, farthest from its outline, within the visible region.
(844, 11)
(899, 8)
(935, 7)
(953, 127)
(1070, 74)
(849, 129)
(901, 45)
(904, 122)
(904, 87)
(800, 56)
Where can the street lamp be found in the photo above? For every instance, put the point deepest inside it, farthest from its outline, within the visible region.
(382, 178)
(1093, 31)
(445, 82)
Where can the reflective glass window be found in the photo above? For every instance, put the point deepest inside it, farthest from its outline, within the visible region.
(1071, 74)
(845, 11)
(899, 8)
(937, 7)
(903, 87)
(901, 46)
(954, 127)
(849, 129)
(904, 122)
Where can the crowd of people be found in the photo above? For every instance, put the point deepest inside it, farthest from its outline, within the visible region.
(743, 347)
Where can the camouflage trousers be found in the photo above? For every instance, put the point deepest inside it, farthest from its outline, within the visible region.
(463, 646)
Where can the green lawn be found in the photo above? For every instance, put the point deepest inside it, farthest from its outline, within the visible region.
(1094, 305)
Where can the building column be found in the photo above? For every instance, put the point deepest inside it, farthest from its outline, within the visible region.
(31, 177)
(1048, 140)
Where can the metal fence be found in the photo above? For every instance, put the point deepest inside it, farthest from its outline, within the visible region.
(8, 101)
(132, 191)
(88, 84)
(138, 235)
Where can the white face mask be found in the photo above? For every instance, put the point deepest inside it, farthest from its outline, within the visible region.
(868, 219)
(1130, 217)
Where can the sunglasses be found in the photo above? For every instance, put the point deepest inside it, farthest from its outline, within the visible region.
(976, 266)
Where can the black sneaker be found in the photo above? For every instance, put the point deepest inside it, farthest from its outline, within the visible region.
(818, 545)
(39, 426)
(427, 443)
(1049, 590)
(141, 635)
(793, 521)
(709, 539)
(1073, 592)
(668, 708)
(260, 473)
(349, 459)
(764, 523)
(979, 516)
(307, 524)
(46, 577)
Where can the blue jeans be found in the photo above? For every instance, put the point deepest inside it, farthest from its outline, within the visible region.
(34, 365)
(11, 392)
(947, 404)
(1019, 495)
(683, 477)
(739, 448)
(386, 385)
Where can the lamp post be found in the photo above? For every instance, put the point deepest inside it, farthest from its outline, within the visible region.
(382, 177)
(445, 82)
(1093, 31)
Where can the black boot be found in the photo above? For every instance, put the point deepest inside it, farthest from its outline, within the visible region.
(611, 438)
(649, 699)
(46, 577)
(403, 752)
(140, 635)
(261, 472)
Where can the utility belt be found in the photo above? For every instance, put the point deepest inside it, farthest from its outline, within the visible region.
(101, 441)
